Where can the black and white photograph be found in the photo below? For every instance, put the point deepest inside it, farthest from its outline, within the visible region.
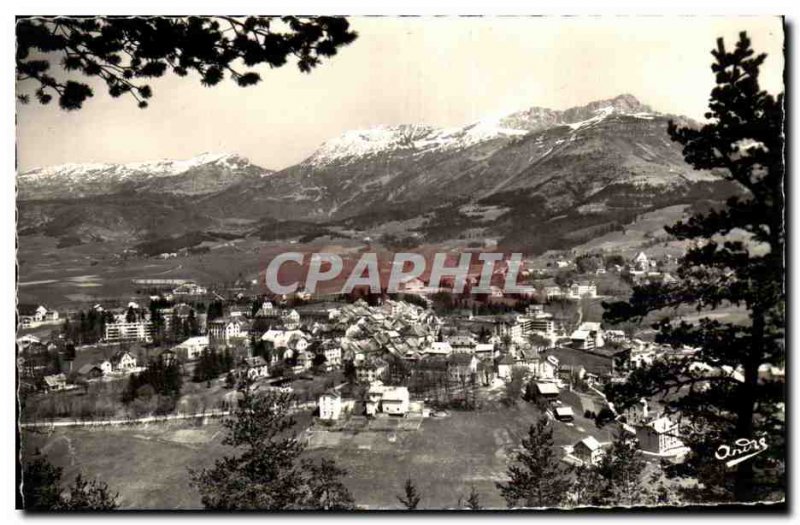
(348, 263)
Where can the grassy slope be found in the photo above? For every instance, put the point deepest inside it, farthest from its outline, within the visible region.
(148, 464)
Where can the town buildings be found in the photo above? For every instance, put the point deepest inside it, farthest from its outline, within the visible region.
(224, 330)
(659, 436)
(191, 348)
(393, 400)
(330, 406)
(588, 336)
(123, 361)
(124, 331)
(589, 451)
(256, 367)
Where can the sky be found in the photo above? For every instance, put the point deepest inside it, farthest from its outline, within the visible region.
(442, 71)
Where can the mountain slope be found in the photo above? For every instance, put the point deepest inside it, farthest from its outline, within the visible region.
(204, 174)
(563, 156)
(538, 178)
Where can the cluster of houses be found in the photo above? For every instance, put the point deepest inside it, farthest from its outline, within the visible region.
(655, 435)
(643, 270)
(379, 399)
(573, 292)
(640, 269)
(34, 315)
(535, 321)
(122, 362)
(398, 328)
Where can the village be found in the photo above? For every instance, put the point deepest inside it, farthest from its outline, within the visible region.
(361, 363)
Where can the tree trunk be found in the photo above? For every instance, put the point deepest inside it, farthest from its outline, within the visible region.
(743, 487)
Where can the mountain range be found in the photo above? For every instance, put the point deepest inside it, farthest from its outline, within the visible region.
(537, 178)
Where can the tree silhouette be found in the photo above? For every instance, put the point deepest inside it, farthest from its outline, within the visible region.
(743, 143)
(325, 490)
(537, 478)
(88, 495)
(474, 499)
(41, 490)
(266, 471)
(122, 51)
(621, 472)
(410, 498)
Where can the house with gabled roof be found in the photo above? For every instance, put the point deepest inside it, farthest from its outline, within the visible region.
(371, 370)
(330, 405)
(123, 361)
(54, 383)
(589, 451)
(90, 371)
(256, 367)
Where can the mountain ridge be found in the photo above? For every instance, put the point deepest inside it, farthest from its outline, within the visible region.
(202, 174)
(540, 175)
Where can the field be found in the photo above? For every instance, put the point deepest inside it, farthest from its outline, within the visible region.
(645, 231)
(445, 457)
(83, 275)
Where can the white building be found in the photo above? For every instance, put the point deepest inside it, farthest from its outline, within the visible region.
(105, 366)
(660, 436)
(589, 451)
(552, 292)
(439, 348)
(333, 355)
(641, 262)
(330, 406)
(581, 290)
(589, 335)
(504, 367)
(293, 318)
(267, 310)
(123, 362)
(225, 330)
(55, 382)
(123, 331)
(256, 367)
(395, 401)
(392, 400)
(192, 347)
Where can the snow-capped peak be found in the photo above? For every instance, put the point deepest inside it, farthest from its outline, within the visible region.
(163, 167)
(599, 114)
(419, 138)
(204, 173)
(412, 138)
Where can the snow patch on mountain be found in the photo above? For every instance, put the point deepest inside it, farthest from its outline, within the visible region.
(600, 114)
(204, 173)
(411, 138)
(415, 139)
(118, 172)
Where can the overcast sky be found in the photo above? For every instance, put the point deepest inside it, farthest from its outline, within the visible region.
(440, 71)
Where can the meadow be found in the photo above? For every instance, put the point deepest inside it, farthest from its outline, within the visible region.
(148, 464)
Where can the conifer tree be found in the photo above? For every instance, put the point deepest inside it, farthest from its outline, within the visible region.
(266, 471)
(86, 494)
(324, 487)
(724, 400)
(41, 490)
(410, 498)
(620, 473)
(537, 478)
(123, 51)
(474, 500)
(40, 485)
